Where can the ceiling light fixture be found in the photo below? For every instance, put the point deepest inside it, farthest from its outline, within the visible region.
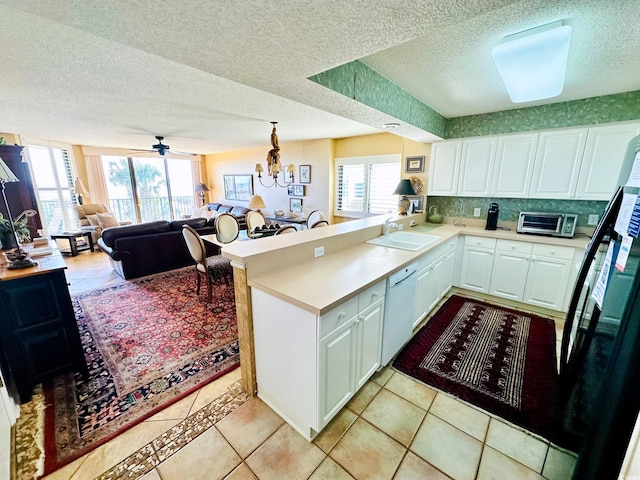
(532, 63)
(274, 167)
(391, 126)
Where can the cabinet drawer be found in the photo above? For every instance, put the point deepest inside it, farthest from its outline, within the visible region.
(338, 316)
(371, 295)
(484, 242)
(553, 251)
(514, 246)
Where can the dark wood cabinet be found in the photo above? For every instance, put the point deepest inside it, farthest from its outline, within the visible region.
(40, 336)
(21, 195)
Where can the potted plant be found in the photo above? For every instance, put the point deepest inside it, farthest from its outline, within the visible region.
(6, 234)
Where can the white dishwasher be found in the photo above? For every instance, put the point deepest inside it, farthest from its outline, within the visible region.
(398, 311)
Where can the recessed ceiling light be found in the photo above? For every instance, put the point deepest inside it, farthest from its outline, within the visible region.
(532, 63)
(390, 126)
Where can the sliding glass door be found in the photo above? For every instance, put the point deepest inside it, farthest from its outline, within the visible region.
(53, 183)
(143, 189)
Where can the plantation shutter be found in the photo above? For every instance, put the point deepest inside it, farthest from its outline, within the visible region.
(364, 185)
(384, 178)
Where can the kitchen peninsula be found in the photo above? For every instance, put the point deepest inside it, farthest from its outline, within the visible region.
(300, 301)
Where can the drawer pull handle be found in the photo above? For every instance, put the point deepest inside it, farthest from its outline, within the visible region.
(374, 295)
(342, 315)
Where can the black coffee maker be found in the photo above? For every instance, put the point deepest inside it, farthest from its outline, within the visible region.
(492, 217)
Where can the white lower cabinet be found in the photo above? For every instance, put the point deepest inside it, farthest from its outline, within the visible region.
(510, 268)
(308, 366)
(534, 273)
(548, 276)
(477, 263)
(435, 278)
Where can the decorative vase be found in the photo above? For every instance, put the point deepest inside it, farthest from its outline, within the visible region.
(7, 240)
(434, 216)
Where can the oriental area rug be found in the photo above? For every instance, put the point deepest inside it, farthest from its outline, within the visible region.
(501, 360)
(148, 343)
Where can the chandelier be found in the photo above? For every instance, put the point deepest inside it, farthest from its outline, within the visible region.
(274, 167)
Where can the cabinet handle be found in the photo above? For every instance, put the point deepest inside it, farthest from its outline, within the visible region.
(374, 295)
(342, 315)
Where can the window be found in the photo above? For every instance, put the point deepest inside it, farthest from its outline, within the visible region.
(53, 182)
(143, 189)
(365, 185)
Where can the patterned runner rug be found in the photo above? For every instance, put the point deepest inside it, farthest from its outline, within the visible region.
(498, 359)
(147, 343)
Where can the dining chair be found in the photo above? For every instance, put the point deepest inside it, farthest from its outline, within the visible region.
(320, 223)
(286, 229)
(314, 216)
(227, 228)
(213, 268)
(255, 219)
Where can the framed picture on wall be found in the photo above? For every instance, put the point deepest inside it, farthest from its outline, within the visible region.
(295, 205)
(417, 201)
(238, 187)
(295, 190)
(305, 173)
(414, 164)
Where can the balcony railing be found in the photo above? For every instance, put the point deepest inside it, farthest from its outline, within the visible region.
(156, 208)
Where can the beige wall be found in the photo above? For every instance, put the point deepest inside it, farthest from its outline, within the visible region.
(320, 154)
(317, 153)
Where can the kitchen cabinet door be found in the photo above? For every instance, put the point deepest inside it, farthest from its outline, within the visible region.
(510, 268)
(558, 158)
(445, 274)
(547, 282)
(509, 275)
(369, 344)
(426, 293)
(475, 272)
(337, 370)
(444, 166)
(476, 166)
(602, 160)
(513, 167)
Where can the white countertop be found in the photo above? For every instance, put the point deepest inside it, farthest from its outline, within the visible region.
(320, 284)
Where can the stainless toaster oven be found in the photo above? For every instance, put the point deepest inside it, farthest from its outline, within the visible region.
(554, 224)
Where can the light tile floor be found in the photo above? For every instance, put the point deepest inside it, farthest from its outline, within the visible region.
(394, 428)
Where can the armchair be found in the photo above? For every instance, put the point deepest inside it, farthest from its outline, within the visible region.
(90, 221)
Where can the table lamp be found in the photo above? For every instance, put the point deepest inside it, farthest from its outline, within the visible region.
(404, 188)
(257, 203)
(202, 190)
(19, 258)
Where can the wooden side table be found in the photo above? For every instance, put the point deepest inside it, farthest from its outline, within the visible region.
(74, 249)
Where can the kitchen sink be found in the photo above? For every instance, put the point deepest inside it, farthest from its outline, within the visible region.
(404, 240)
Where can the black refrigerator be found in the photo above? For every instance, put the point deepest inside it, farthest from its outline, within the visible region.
(600, 354)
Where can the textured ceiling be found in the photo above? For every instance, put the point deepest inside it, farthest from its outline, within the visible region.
(210, 75)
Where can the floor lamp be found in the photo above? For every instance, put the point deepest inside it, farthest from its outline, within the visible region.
(19, 258)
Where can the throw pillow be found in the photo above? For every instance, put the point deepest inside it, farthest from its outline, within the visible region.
(93, 220)
(106, 220)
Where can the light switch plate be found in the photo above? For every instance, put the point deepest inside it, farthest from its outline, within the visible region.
(593, 219)
(318, 252)
(476, 212)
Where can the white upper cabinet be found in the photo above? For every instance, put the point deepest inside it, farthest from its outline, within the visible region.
(476, 166)
(603, 156)
(567, 163)
(443, 167)
(513, 167)
(558, 158)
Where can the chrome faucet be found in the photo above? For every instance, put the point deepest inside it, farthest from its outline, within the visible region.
(388, 226)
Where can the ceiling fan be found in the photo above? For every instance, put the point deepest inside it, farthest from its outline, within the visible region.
(162, 149)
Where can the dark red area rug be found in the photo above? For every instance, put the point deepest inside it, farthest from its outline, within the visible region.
(501, 360)
(148, 343)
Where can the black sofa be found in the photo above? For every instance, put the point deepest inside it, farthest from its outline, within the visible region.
(152, 247)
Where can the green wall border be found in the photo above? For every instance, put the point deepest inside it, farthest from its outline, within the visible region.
(363, 84)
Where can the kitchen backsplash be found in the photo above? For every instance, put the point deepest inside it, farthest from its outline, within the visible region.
(510, 208)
